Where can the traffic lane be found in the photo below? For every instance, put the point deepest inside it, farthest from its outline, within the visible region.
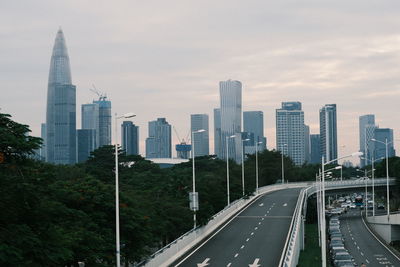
(267, 245)
(362, 245)
(229, 244)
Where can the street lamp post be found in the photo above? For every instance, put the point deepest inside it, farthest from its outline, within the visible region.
(323, 224)
(227, 168)
(386, 143)
(245, 140)
(117, 237)
(257, 143)
(195, 205)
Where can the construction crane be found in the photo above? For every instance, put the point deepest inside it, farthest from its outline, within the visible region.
(102, 96)
(182, 149)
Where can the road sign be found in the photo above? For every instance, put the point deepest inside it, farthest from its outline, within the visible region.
(194, 201)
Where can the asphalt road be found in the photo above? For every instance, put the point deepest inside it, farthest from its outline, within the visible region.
(255, 237)
(362, 245)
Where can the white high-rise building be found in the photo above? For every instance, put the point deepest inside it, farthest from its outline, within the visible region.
(290, 131)
(200, 140)
(230, 92)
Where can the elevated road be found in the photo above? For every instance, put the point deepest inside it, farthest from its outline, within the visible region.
(362, 244)
(255, 237)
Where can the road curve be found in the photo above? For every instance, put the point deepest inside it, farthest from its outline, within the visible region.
(362, 245)
(255, 237)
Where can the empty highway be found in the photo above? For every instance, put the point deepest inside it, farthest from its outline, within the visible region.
(255, 237)
(362, 245)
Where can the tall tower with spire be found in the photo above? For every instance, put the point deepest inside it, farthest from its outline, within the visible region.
(61, 107)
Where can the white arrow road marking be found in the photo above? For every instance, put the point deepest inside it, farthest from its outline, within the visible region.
(262, 204)
(255, 263)
(285, 204)
(204, 263)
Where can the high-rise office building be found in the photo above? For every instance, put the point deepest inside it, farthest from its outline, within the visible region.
(366, 128)
(104, 121)
(253, 122)
(61, 107)
(383, 135)
(130, 138)
(217, 132)
(231, 118)
(90, 120)
(42, 150)
(328, 132)
(315, 157)
(158, 144)
(200, 140)
(86, 143)
(290, 131)
(307, 145)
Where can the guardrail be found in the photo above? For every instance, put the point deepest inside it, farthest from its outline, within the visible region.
(295, 240)
(177, 248)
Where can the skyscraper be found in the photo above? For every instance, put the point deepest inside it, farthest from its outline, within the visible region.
(328, 132)
(307, 147)
(231, 118)
(130, 138)
(365, 122)
(86, 143)
(290, 131)
(104, 121)
(200, 140)
(383, 134)
(253, 122)
(158, 144)
(217, 132)
(90, 119)
(61, 107)
(42, 150)
(315, 157)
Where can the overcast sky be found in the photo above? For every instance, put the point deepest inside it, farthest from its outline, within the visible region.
(165, 58)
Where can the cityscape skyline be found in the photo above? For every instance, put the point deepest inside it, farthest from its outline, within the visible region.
(126, 84)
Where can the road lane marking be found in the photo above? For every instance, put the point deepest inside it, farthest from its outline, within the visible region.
(255, 228)
(237, 254)
(362, 254)
(229, 264)
(252, 233)
(259, 223)
(242, 247)
(247, 240)
(367, 261)
(204, 263)
(255, 263)
(262, 204)
(285, 204)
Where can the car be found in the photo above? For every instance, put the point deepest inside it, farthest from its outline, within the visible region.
(343, 258)
(381, 206)
(336, 243)
(353, 206)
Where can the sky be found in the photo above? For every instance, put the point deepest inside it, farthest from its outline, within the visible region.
(166, 58)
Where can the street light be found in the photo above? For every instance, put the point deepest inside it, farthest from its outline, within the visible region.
(387, 172)
(323, 227)
(373, 180)
(283, 167)
(195, 204)
(117, 251)
(257, 143)
(227, 167)
(245, 140)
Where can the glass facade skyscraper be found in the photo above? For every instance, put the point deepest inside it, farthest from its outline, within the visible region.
(130, 138)
(61, 107)
(230, 93)
(253, 122)
(104, 121)
(200, 140)
(365, 124)
(315, 157)
(328, 132)
(158, 144)
(217, 132)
